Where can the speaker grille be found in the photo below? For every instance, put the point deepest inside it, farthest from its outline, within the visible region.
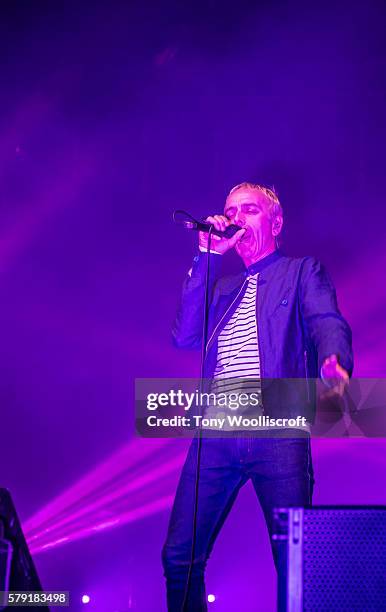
(344, 561)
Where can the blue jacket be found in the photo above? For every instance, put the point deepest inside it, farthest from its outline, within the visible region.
(299, 325)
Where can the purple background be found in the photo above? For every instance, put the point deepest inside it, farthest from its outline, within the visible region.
(112, 115)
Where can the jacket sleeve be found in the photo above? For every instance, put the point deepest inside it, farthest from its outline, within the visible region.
(329, 331)
(188, 325)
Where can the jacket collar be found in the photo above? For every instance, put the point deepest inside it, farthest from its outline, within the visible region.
(260, 265)
(233, 282)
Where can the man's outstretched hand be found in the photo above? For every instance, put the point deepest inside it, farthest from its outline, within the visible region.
(334, 376)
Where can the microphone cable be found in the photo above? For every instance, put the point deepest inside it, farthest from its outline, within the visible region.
(199, 436)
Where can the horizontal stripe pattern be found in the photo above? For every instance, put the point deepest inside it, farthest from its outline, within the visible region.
(239, 336)
(238, 352)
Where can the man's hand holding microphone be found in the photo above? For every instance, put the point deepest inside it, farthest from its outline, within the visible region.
(219, 244)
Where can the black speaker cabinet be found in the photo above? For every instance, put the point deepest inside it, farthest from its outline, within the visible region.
(17, 570)
(331, 558)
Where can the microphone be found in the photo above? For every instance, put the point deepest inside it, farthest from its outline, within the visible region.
(203, 226)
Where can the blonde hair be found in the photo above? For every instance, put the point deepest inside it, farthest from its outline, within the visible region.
(275, 208)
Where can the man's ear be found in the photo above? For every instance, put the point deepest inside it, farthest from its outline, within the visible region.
(277, 225)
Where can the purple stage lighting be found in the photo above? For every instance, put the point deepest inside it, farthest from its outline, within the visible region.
(135, 482)
(85, 599)
(122, 460)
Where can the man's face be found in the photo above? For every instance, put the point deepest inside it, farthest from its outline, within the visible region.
(249, 208)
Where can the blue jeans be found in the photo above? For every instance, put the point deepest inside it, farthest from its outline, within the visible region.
(281, 473)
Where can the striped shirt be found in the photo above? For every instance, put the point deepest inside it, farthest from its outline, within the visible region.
(238, 348)
(238, 363)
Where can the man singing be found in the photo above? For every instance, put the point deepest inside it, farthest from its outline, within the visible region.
(275, 321)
